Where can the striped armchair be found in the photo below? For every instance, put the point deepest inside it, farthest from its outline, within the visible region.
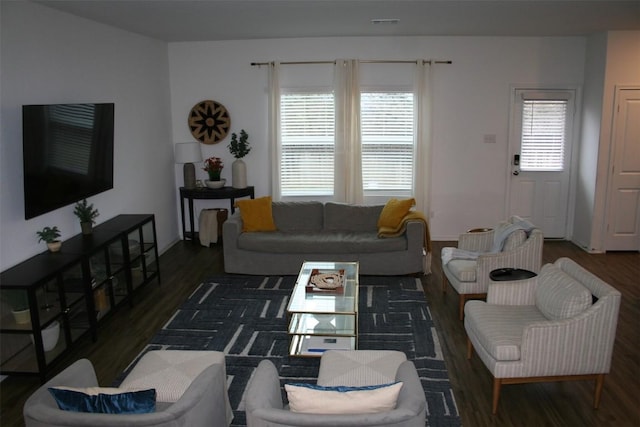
(558, 326)
(470, 277)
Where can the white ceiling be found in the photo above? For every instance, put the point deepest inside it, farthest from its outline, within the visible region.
(187, 20)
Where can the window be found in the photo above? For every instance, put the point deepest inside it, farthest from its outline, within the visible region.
(544, 130)
(307, 121)
(387, 141)
(307, 144)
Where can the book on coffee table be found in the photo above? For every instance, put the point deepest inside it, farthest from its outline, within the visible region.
(316, 345)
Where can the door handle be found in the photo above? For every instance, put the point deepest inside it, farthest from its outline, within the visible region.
(516, 172)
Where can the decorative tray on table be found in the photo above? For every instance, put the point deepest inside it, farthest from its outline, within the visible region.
(326, 281)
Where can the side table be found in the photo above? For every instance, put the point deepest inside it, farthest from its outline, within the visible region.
(510, 274)
(208, 193)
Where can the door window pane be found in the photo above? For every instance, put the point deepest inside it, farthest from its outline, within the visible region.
(543, 135)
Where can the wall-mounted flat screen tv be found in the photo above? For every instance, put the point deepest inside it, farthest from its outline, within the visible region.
(67, 154)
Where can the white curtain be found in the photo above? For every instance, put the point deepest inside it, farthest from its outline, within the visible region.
(348, 152)
(422, 157)
(274, 129)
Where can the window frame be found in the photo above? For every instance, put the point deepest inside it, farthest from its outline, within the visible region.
(370, 195)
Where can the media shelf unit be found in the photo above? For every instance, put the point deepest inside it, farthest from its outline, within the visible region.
(73, 290)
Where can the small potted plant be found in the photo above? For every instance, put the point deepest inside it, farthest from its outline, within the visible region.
(87, 215)
(213, 166)
(17, 300)
(239, 148)
(50, 235)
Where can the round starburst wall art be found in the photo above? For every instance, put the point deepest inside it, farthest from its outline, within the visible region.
(209, 122)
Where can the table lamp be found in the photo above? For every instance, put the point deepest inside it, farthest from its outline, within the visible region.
(188, 153)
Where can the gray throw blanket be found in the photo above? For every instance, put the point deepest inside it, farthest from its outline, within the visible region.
(502, 232)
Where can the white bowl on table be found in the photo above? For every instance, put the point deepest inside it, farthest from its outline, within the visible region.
(215, 184)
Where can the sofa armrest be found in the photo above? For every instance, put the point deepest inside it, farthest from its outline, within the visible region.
(204, 402)
(587, 341)
(41, 408)
(416, 234)
(263, 390)
(411, 397)
(232, 228)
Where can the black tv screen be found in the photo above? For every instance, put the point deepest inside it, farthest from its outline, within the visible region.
(67, 154)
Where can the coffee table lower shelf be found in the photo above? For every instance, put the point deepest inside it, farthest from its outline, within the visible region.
(315, 345)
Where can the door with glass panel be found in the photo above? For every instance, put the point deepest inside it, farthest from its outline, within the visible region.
(540, 158)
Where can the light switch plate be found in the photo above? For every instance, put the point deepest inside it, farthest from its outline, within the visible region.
(490, 139)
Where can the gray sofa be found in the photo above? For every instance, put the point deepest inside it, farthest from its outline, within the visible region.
(313, 231)
(202, 404)
(265, 408)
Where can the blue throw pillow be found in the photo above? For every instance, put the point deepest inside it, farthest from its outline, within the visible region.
(105, 400)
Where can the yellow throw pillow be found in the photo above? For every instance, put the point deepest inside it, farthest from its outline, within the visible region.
(256, 214)
(394, 211)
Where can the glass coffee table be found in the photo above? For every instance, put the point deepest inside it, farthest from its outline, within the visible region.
(322, 318)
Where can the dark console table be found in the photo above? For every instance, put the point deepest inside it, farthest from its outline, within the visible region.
(63, 296)
(208, 193)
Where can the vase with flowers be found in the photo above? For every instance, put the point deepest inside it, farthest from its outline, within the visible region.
(213, 166)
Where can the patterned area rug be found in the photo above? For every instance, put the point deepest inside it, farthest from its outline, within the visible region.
(245, 317)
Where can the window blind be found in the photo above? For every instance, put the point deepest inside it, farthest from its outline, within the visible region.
(387, 141)
(307, 143)
(543, 134)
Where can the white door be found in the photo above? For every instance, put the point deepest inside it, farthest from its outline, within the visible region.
(623, 213)
(540, 156)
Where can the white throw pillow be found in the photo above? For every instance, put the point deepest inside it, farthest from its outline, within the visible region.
(314, 399)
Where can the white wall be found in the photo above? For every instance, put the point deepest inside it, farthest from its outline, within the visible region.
(613, 59)
(471, 100)
(595, 65)
(53, 57)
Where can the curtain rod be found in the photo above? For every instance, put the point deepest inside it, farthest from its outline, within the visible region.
(369, 61)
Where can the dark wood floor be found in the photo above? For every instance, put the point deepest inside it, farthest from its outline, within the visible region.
(184, 265)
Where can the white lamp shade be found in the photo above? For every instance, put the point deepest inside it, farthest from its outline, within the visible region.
(188, 152)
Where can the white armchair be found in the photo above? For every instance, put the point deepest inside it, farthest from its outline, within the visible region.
(558, 326)
(469, 276)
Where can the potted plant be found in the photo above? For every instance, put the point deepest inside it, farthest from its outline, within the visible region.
(213, 166)
(86, 214)
(50, 236)
(17, 300)
(239, 148)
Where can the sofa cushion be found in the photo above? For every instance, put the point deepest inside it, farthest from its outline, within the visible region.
(298, 216)
(515, 239)
(321, 242)
(314, 399)
(256, 214)
(104, 400)
(560, 296)
(499, 328)
(393, 212)
(343, 217)
(463, 269)
(170, 372)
